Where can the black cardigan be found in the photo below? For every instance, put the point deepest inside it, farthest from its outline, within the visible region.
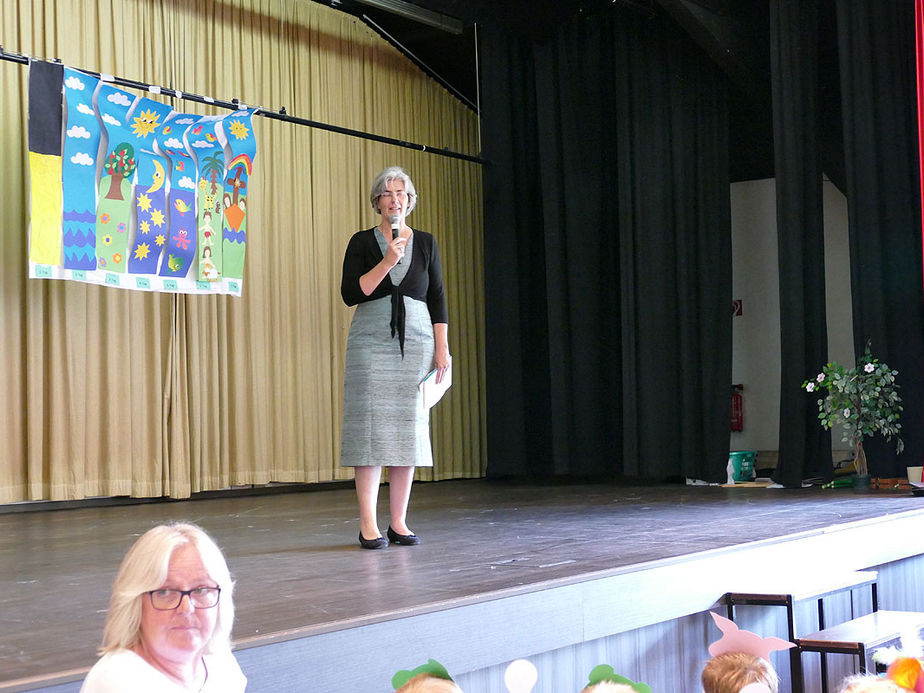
(423, 281)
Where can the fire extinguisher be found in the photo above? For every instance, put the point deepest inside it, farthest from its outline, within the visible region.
(737, 408)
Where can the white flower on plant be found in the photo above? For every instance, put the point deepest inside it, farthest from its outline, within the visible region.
(869, 368)
(810, 387)
(846, 413)
(820, 377)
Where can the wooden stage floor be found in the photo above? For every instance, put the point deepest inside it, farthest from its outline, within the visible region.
(300, 571)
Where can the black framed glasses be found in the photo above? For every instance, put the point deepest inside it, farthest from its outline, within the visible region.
(388, 194)
(199, 597)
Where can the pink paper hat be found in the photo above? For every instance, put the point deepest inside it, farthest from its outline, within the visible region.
(736, 640)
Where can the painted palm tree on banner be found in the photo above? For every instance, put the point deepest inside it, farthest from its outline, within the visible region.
(213, 167)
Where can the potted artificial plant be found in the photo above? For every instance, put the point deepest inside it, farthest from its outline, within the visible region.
(862, 400)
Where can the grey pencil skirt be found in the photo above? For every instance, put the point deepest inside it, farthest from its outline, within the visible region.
(384, 420)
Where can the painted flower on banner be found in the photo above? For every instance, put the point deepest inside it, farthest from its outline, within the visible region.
(107, 239)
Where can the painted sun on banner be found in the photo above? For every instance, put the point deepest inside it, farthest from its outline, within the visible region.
(137, 195)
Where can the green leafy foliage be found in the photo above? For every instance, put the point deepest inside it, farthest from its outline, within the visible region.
(862, 401)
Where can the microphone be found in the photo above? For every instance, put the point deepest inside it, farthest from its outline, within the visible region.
(395, 229)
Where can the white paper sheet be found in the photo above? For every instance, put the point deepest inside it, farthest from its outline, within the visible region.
(433, 391)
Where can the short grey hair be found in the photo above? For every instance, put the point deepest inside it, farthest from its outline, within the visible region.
(381, 181)
(145, 568)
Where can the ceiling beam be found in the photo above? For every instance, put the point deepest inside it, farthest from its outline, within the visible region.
(725, 33)
(415, 13)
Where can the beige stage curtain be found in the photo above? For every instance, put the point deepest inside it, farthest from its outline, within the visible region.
(110, 392)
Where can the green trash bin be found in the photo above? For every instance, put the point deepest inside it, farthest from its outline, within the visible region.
(744, 464)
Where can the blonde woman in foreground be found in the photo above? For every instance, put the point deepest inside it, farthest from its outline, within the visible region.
(168, 629)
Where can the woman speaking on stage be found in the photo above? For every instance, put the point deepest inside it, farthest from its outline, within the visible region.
(392, 274)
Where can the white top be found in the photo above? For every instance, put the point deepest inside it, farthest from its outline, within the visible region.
(123, 670)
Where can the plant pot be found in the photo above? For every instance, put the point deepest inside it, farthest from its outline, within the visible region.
(862, 484)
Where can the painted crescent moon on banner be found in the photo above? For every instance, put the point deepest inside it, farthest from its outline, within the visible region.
(158, 177)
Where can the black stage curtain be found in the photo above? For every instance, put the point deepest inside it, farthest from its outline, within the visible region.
(876, 50)
(516, 320)
(608, 252)
(804, 447)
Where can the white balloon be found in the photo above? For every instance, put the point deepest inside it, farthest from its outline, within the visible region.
(521, 676)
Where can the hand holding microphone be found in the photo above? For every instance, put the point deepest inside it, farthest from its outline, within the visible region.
(396, 241)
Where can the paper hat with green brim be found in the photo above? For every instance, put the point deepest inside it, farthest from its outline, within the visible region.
(432, 667)
(604, 672)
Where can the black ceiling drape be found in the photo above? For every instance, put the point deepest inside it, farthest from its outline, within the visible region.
(876, 51)
(607, 238)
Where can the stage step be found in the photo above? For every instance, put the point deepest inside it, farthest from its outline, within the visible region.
(864, 635)
(780, 591)
(786, 590)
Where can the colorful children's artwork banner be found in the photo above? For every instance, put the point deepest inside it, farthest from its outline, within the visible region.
(128, 193)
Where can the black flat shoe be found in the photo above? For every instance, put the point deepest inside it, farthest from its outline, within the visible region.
(403, 539)
(377, 543)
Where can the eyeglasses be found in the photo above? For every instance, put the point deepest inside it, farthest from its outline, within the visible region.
(400, 194)
(199, 597)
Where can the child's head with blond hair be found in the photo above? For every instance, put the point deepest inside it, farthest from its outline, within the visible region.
(428, 683)
(867, 683)
(732, 671)
(608, 687)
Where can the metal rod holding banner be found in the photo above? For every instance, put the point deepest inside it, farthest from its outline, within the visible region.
(234, 104)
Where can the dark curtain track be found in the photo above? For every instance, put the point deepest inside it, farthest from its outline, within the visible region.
(607, 237)
(804, 447)
(876, 52)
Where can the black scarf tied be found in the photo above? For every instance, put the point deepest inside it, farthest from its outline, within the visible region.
(397, 316)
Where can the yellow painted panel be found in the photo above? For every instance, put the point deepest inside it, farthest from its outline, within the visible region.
(45, 213)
